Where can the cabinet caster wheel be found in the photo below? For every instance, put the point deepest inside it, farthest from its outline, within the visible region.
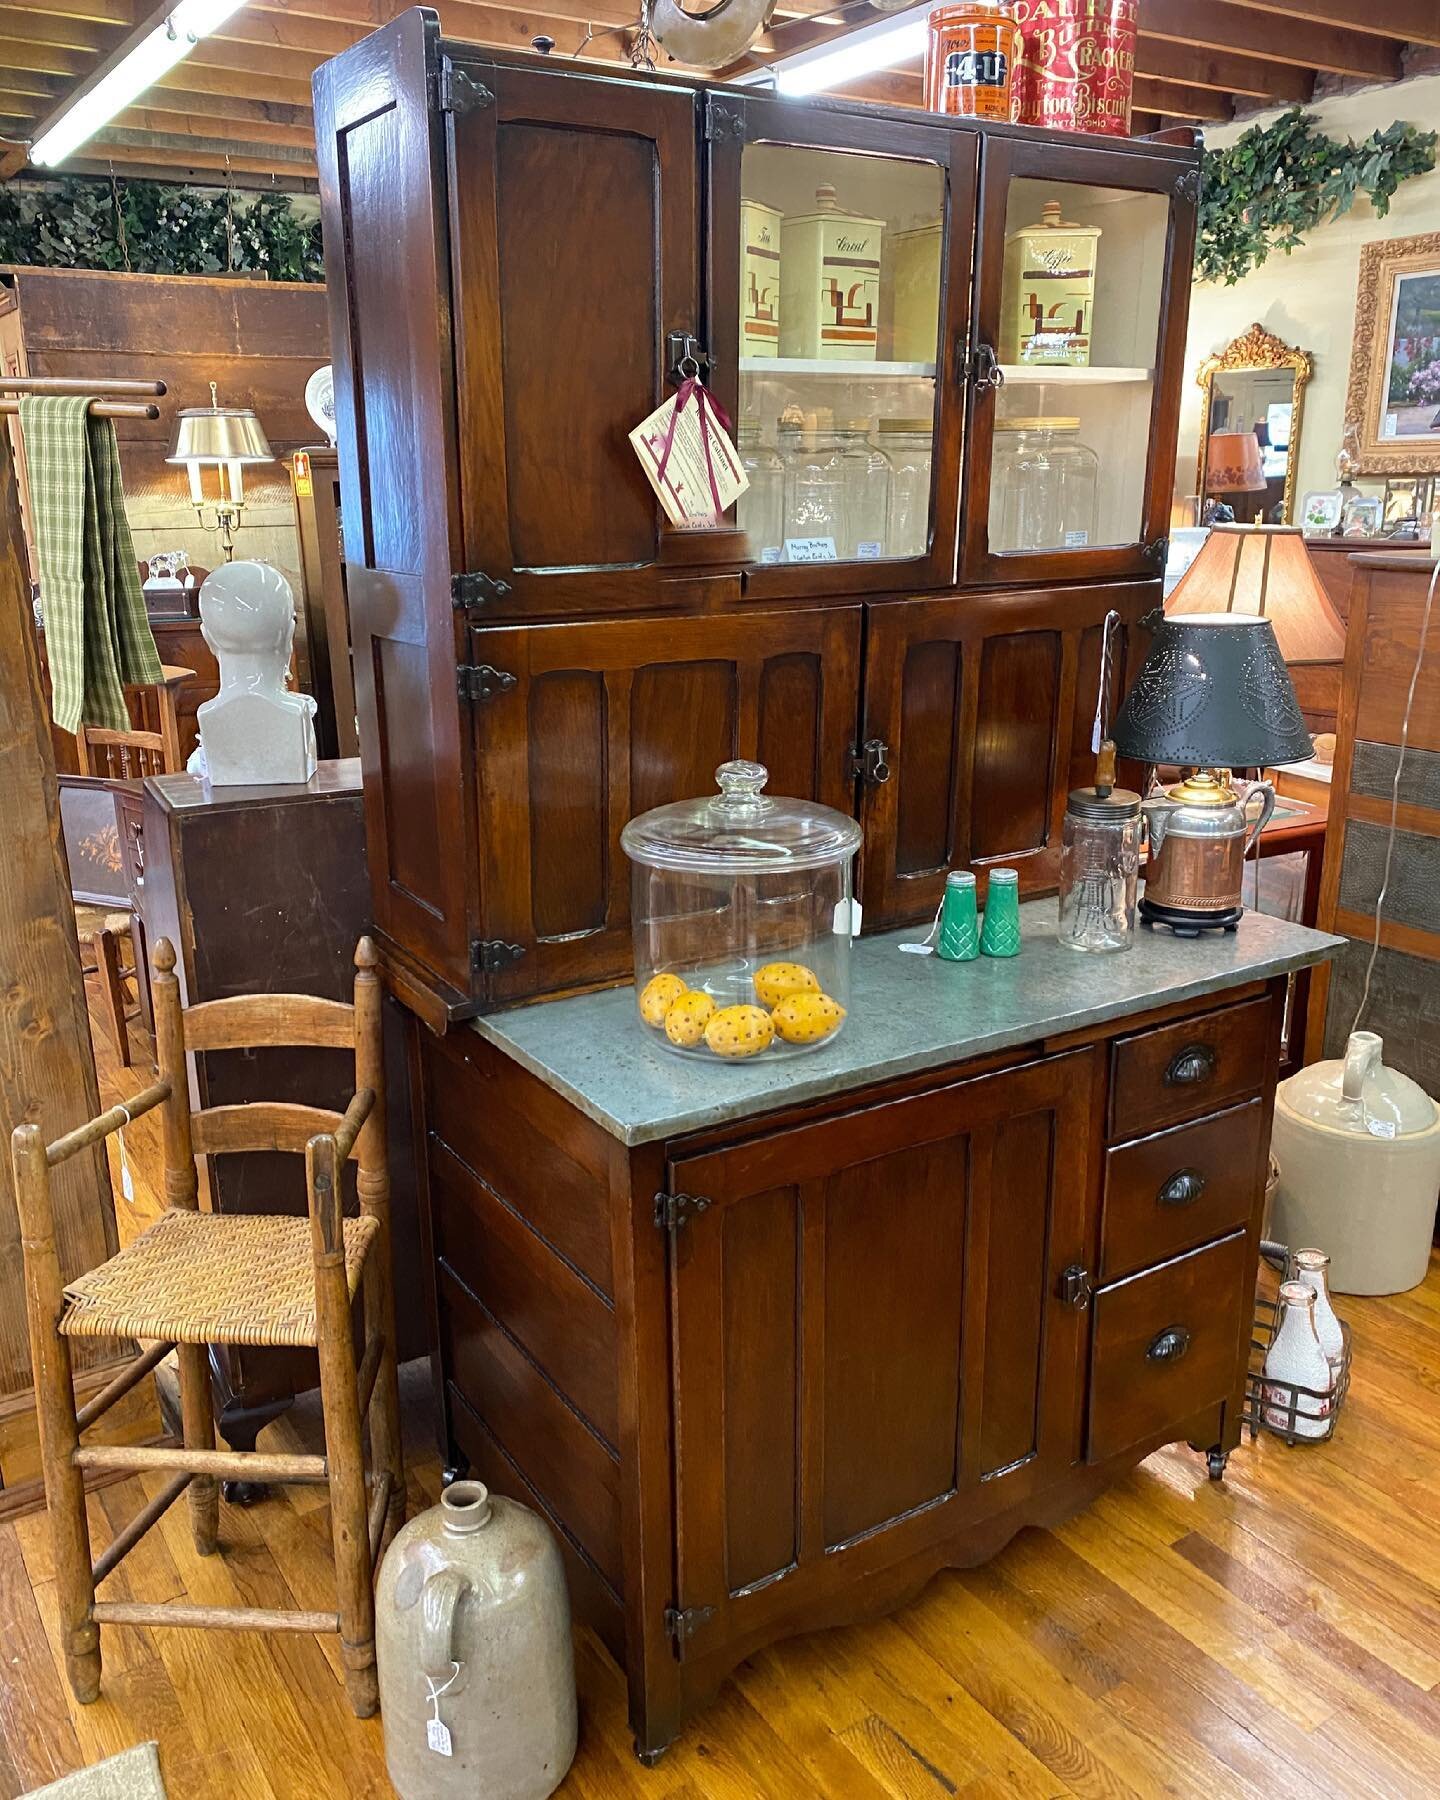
(456, 1471)
(648, 1758)
(1215, 1461)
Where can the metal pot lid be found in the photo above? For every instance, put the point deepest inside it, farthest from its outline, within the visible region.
(1113, 806)
(741, 830)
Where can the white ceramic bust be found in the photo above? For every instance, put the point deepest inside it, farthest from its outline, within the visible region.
(255, 732)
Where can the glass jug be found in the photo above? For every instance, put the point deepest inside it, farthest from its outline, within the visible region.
(908, 449)
(1099, 864)
(760, 513)
(1043, 487)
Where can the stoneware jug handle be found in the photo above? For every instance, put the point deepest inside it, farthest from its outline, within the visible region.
(439, 1598)
(1362, 1054)
(1266, 789)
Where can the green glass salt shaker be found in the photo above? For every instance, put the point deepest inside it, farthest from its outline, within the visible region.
(1000, 932)
(959, 939)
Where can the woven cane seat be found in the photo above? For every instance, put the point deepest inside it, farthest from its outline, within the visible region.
(211, 1278)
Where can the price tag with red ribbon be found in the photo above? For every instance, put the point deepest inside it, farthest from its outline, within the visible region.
(685, 450)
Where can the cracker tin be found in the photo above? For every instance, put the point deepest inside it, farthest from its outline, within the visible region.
(1076, 66)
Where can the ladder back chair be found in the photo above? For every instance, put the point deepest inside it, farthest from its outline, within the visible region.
(197, 1278)
(152, 744)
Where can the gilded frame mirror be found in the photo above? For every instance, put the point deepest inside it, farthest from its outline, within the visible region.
(1242, 368)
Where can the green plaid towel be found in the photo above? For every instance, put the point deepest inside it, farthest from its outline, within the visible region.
(97, 633)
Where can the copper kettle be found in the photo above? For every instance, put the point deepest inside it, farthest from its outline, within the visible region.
(1199, 833)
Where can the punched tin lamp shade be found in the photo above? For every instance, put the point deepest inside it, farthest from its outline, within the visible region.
(1265, 570)
(1214, 692)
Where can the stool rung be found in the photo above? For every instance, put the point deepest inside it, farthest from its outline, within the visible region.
(379, 1506)
(135, 1370)
(129, 1535)
(369, 1368)
(229, 1465)
(213, 1618)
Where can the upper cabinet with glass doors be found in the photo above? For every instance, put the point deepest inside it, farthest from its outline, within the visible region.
(1082, 292)
(838, 285)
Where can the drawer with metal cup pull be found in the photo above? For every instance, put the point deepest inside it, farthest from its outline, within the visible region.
(1175, 1189)
(1167, 1344)
(1194, 1066)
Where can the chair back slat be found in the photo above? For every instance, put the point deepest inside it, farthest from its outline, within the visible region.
(259, 1125)
(252, 1021)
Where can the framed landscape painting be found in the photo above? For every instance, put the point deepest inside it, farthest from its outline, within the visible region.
(1392, 409)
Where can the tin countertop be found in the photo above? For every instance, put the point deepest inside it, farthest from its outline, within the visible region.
(906, 1013)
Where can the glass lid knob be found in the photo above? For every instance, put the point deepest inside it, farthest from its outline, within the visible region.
(740, 784)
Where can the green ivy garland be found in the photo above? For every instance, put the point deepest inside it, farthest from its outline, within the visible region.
(1277, 182)
(152, 228)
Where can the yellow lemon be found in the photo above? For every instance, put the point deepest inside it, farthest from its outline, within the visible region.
(777, 979)
(686, 1020)
(806, 1018)
(657, 997)
(739, 1031)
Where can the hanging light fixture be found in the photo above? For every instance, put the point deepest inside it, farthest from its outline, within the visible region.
(223, 438)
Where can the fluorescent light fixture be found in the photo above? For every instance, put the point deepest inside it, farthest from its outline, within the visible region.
(886, 44)
(153, 56)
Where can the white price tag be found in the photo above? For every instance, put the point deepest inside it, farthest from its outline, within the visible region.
(812, 549)
(869, 550)
(683, 488)
(437, 1737)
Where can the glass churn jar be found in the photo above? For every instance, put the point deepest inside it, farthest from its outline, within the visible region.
(740, 904)
(1099, 862)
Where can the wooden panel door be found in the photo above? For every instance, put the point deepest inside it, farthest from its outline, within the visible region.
(1131, 212)
(870, 1346)
(575, 225)
(382, 187)
(985, 707)
(603, 721)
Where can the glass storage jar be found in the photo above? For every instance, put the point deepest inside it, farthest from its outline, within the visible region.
(814, 491)
(1043, 486)
(1099, 863)
(760, 512)
(865, 476)
(740, 905)
(907, 447)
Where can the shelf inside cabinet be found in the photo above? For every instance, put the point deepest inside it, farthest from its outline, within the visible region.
(1068, 375)
(856, 371)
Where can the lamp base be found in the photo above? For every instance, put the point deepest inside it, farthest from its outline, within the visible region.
(1186, 923)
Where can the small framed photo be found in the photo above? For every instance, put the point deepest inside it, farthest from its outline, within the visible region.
(1320, 512)
(1406, 498)
(1364, 516)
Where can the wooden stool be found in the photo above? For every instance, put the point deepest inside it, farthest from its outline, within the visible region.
(196, 1278)
(114, 947)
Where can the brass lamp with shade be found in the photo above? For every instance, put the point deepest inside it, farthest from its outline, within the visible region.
(223, 438)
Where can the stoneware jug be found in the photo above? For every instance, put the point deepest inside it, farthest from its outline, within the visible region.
(477, 1669)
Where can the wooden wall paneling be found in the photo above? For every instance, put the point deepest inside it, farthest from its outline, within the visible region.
(47, 1065)
(607, 720)
(986, 704)
(382, 172)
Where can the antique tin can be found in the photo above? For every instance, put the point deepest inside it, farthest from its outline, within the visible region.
(1076, 65)
(914, 258)
(1049, 290)
(830, 301)
(970, 59)
(759, 278)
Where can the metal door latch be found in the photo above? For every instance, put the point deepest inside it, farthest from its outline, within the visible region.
(870, 763)
(1075, 1287)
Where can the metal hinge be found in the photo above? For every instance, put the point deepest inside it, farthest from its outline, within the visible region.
(460, 92)
(479, 681)
(1156, 551)
(490, 954)
(723, 121)
(681, 1623)
(674, 1211)
(475, 587)
(1075, 1289)
(870, 763)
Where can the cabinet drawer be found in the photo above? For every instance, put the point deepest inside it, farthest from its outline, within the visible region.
(1179, 1188)
(1160, 1077)
(1167, 1344)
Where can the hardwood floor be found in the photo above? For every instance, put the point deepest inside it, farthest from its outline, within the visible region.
(1278, 1634)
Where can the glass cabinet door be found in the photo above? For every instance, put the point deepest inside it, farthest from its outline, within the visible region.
(1080, 329)
(838, 289)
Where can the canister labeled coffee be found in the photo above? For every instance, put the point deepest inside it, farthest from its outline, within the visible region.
(970, 59)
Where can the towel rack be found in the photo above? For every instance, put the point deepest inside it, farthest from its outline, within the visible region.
(100, 408)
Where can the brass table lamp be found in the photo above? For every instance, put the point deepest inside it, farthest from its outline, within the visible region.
(223, 438)
(1213, 694)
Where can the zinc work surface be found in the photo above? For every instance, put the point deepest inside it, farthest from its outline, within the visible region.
(1275, 1635)
(907, 1013)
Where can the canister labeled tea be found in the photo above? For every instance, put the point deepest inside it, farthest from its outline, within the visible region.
(970, 59)
(759, 278)
(1076, 64)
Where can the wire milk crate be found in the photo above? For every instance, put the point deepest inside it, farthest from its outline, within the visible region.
(1279, 1406)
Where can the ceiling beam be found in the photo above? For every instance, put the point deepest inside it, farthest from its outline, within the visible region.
(27, 25)
(1415, 21)
(99, 12)
(1199, 66)
(199, 78)
(248, 135)
(120, 146)
(1204, 105)
(45, 59)
(1227, 25)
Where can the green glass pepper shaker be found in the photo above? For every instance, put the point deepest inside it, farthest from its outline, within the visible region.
(959, 939)
(1000, 933)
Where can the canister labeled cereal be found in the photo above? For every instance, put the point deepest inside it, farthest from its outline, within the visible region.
(1076, 64)
(970, 59)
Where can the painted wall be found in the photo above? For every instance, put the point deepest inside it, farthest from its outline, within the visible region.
(1308, 298)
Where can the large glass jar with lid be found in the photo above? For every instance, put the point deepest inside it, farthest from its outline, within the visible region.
(741, 910)
(1099, 865)
(760, 511)
(814, 489)
(865, 475)
(1043, 486)
(908, 447)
